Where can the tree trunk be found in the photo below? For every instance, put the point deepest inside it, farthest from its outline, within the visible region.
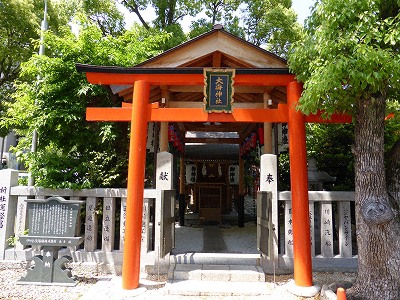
(133, 7)
(393, 176)
(378, 234)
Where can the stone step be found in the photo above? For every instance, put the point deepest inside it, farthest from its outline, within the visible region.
(225, 273)
(216, 259)
(193, 288)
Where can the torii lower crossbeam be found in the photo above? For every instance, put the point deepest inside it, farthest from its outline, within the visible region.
(279, 115)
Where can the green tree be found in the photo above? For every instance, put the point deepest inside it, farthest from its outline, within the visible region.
(349, 62)
(215, 9)
(269, 23)
(272, 23)
(16, 31)
(106, 15)
(19, 33)
(169, 14)
(218, 12)
(137, 7)
(72, 152)
(330, 145)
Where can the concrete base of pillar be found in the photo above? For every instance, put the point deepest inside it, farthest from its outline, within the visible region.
(302, 291)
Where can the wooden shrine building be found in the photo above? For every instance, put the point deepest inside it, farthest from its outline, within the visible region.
(170, 89)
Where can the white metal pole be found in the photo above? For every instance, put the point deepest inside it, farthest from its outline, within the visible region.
(44, 26)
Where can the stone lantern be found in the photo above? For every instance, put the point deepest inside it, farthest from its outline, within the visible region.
(317, 178)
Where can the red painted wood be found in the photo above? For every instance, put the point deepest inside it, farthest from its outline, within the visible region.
(186, 79)
(134, 201)
(299, 186)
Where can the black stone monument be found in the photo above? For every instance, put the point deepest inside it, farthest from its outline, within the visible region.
(52, 224)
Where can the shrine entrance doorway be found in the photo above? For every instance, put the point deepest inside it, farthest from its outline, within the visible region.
(210, 220)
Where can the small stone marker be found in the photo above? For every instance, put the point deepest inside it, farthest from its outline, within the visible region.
(8, 207)
(164, 180)
(269, 182)
(52, 224)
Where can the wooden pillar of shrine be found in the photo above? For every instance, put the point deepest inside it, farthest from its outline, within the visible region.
(182, 200)
(164, 125)
(135, 186)
(267, 128)
(240, 203)
(299, 187)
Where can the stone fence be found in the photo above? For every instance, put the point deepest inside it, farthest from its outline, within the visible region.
(102, 224)
(332, 227)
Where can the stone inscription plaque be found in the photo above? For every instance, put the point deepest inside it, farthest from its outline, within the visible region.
(53, 217)
(52, 223)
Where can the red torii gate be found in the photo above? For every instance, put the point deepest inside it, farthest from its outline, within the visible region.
(141, 112)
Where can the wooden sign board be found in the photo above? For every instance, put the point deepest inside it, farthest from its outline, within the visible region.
(218, 90)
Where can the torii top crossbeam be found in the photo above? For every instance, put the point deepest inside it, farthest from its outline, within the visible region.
(194, 76)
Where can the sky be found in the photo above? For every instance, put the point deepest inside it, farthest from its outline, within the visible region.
(301, 7)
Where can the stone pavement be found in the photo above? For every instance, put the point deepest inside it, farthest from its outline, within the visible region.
(208, 262)
(112, 289)
(273, 288)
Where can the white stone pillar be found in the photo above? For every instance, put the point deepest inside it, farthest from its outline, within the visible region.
(108, 224)
(288, 229)
(21, 220)
(312, 231)
(269, 182)
(345, 240)
(145, 226)
(122, 224)
(164, 171)
(164, 181)
(326, 229)
(91, 227)
(8, 207)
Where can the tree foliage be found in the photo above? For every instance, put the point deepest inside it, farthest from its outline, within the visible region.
(72, 152)
(268, 23)
(350, 52)
(217, 12)
(349, 62)
(106, 15)
(330, 145)
(271, 23)
(54, 102)
(169, 14)
(16, 33)
(20, 27)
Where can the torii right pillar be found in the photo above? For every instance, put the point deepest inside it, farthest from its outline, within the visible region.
(303, 285)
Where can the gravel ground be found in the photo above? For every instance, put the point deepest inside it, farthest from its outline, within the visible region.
(11, 272)
(92, 286)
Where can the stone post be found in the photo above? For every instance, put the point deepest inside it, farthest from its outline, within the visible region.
(8, 207)
(164, 172)
(164, 181)
(269, 182)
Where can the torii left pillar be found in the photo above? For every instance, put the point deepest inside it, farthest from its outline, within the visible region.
(136, 172)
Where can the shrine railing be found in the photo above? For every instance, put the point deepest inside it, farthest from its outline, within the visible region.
(101, 222)
(332, 228)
